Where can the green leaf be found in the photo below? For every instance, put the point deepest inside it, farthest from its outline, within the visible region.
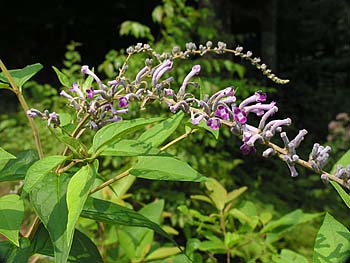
(77, 192)
(64, 80)
(18, 254)
(344, 195)
(231, 196)
(4, 86)
(157, 14)
(49, 201)
(4, 155)
(16, 169)
(161, 131)
(126, 147)
(21, 76)
(163, 252)
(112, 132)
(165, 168)
(136, 30)
(217, 193)
(289, 256)
(203, 125)
(83, 249)
(11, 214)
(41, 168)
(332, 242)
(343, 161)
(275, 229)
(112, 213)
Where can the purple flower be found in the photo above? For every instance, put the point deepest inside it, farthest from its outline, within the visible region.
(196, 118)
(90, 93)
(75, 88)
(239, 115)
(222, 112)
(123, 102)
(260, 96)
(53, 118)
(213, 123)
(34, 113)
(246, 149)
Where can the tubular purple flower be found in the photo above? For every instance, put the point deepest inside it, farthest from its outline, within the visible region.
(34, 113)
(268, 152)
(164, 67)
(169, 92)
(123, 102)
(183, 104)
(214, 123)
(267, 114)
(297, 140)
(222, 112)
(253, 139)
(259, 96)
(53, 118)
(290, 163)
(196, 118)
(239, 115)
(140, 74)
(85, 70)
(194, 71)
(246, 149)
(273, 125)
(90, 92)
(259, 108)
(66, 95)
(75, 88)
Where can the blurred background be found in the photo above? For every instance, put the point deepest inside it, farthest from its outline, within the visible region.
(307, 42)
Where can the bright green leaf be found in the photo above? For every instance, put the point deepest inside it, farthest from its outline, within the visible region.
(49, 201)
(41, 168)
(343, 161)
(235, 193)
(161, 131)
(217, 193)
(332, 242)
(21, 76)
(64, 80)
(4, 155)
(78, 189)
(163, 252)
(165, 168)
(114, 131)
(11, 214)
(126, 147)
(289, 256)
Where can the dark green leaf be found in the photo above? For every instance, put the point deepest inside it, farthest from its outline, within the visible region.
(344, 195)
(17, 168)
(77, 192)
(126, 147)
(332, 242)
(11, 214)
(39, 169)
(114, 131)
(18, 254)
(112, 213)
(161, 131)
(62, 78)
(165, 168)
(21, 76)
(83, 249)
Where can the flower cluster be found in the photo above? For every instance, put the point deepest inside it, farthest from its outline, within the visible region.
(109, 101)
(52, 118)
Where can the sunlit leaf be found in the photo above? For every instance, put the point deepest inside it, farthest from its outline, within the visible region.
(21, 76)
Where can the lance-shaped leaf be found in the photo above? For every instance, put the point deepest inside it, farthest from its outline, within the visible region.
(165, 168)
(161, 131)
(125, 147)
(4, 155)
(16, 169)
(21, 76)
(114, 131)
(77, 192)
(112, 213)
(11, 214)
(62, 78)
(49, 201)
(39, 169)
(332, 242)
(83, 249)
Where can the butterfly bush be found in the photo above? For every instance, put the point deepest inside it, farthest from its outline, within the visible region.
(107, 103)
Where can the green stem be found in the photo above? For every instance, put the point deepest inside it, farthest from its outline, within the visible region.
(126, 173)
(25, 107)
